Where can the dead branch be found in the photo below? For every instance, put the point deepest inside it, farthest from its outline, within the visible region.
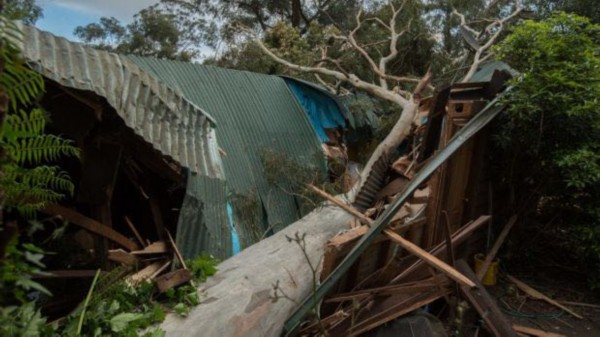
(482, 41)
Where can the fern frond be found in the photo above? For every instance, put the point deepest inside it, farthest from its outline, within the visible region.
(22, 84)
(23, 124)
(41, 148)
(30, 189)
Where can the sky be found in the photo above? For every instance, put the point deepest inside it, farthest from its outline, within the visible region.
(62, 16)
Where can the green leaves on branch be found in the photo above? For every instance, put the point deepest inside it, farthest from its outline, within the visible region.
(552, 129)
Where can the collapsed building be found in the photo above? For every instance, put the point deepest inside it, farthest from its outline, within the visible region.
(179, 146)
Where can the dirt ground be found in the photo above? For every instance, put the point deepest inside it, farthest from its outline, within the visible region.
(538, 314)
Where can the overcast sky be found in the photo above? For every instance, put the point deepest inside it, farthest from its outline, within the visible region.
(62, 16)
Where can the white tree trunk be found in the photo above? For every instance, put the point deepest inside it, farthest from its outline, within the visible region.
(237, 300)
(398, 133)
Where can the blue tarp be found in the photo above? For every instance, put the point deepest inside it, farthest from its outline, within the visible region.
(322, 109)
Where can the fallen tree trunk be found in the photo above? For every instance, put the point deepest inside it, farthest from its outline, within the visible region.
(237, 301)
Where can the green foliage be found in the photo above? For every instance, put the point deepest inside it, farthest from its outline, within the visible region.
(117, 308)
(162, 30)
(121, 312)
(24, 321)
(248, 210)
(27, 11)
(202, 267)
(18, 266)
(552, 128)
(24, 139)
(21, 84)
(293, 174)
(27, 184)
(27, 188)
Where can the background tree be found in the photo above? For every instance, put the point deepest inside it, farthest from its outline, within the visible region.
(27, 11)
(155, 31)
(549, 142)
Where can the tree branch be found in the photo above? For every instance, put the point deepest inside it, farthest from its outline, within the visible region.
(493, 30)
(349, 78)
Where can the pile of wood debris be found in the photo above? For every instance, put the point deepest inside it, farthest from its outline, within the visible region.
(419, 256)
(144, 260)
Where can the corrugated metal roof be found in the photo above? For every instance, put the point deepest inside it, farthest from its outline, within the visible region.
(324, 111)
(338, 101)
(485, 72)
(156, 112)
(203, 223)
(255, 112)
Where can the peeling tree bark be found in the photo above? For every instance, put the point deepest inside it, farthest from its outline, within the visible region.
(237, 300)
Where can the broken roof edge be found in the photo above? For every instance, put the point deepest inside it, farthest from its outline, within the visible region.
(161, 115)
(322, 90)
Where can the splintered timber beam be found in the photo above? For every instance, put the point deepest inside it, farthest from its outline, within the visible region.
(477, 123)
(411, 247)
(430, 259)
(492, 253)
(91, 225)
(535, 332)
(533, 293)
(457, 238)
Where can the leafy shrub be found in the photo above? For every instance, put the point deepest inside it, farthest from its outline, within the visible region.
(549, 141)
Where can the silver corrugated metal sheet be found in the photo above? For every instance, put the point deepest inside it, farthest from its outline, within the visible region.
(255, 113)
(156, 112)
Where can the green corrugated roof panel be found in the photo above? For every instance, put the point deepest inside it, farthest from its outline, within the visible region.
(254, 113)
(485, 72)
(203, 225)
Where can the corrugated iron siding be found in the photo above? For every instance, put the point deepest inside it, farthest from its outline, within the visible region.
(203, 222)
(159, 114)
(255, 112)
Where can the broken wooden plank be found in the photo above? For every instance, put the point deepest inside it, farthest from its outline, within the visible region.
(392, 311)
(413, 287)
(160, 270)
(89, 224)
(485, 305)
(135, 232)
(146, 272)
(492, 253)
(438, 251)
(122, 257)
(173, 279)
(430, 259)
(158, 247)
(420, 196)
(411, 247)
(535, 332)
(348, 236)
(580, 304)
(539, 296)
(177, 252)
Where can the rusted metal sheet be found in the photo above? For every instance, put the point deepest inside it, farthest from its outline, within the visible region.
(158, 113)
